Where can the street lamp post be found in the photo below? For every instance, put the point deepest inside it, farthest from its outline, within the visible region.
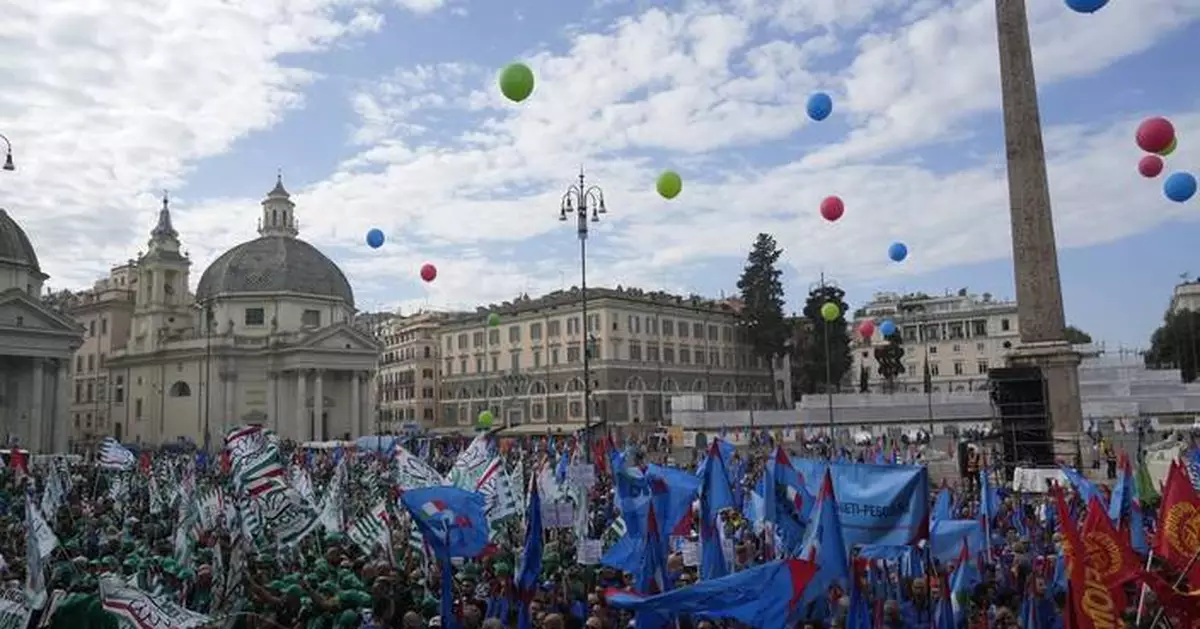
(579, 199)
(8, 160)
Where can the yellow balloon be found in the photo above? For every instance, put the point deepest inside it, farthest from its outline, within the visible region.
(830, 311)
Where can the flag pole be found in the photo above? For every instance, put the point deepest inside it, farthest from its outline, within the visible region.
(1144, 589)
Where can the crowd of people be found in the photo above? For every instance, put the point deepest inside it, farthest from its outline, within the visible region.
(175, 541)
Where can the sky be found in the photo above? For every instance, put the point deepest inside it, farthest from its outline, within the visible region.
(385, 114)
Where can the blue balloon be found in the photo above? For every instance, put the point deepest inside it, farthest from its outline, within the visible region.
(820, 105)
(1086, 6)
(375, 238)
(1179, 187)
(898, 252)
(887, 328)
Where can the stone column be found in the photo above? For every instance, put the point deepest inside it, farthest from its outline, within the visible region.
(37, 395)
(356, 405)
(1035, 256)
(272, 390)
(302, 425)
(229, 389)
(319, 406)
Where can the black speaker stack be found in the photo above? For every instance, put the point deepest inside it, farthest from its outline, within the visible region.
(1019, 395)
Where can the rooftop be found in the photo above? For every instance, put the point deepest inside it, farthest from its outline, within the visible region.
(525, 304)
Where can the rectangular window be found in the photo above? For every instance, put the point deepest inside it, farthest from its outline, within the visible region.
(698, 331)
(91, 363)
(514, 334)
(554, 329)
(477, 340)
(493, 337)
(479, 365)
(137, 408)
(554, 356)
(668, 354)
(651, 325)
(727, 334)
(982, 366)
(685, 355)
(635, 351)
(102, 357)
(449, 366)
(1004, 325)
(573, 326)
(979, 327)
(462, 341)
(255, 316)
(103, 327)
(593, 323)
(92, 327)
(668, 327)
(934, 370)
(311, 318)
(515, 362)
(78, 364)
(712, 332)
(572, 354)
(535, 331)
(462, 366)
(714, 359)
(495, 363)
(652, 353)
(958, 369)
(79, 393)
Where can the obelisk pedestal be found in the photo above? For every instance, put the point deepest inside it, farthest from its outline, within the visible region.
(1041, 322)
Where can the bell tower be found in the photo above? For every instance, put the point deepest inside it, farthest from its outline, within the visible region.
(279, 213)
(163, 305)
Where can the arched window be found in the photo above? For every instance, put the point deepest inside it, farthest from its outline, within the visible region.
(180, 389)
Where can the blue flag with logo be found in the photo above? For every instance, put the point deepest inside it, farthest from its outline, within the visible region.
(451, 520)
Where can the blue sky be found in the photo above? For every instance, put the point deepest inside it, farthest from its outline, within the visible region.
(384, 114)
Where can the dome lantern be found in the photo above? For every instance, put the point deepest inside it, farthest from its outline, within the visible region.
(278, 214)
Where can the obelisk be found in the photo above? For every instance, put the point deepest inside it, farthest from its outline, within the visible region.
(1035, 256)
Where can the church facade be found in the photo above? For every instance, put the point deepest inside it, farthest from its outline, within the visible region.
(36, 344)
(266, 339)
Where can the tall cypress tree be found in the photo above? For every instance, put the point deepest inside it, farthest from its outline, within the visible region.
(762, 299)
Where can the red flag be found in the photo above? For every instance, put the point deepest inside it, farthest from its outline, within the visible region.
(1110, 559)
(1090, 604)
(1182, 608)
(1178, 536)
(19, 461)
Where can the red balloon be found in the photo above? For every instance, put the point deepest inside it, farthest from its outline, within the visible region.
(1155, 134)
(1150, 166)
(832, 208)
(428, 272)
(866, 328)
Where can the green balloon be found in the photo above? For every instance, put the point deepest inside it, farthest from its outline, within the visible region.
(493, 320)
(669, 184)
(516, 82)
(485, 419)
(830, 311)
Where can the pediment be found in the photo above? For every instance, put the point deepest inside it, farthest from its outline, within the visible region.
(340, 337)
(19, 310)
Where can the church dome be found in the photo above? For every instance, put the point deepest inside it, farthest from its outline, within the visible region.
(15, 247)
(274, 264)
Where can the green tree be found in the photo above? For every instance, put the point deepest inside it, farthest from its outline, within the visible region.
(890, 360)
(1075, 336)
(1176, 344)
(762, 303)
(834, 335)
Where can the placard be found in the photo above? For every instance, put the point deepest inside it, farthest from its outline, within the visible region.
(582, 475)
(558, 515)
(691, 554)
(590, 551)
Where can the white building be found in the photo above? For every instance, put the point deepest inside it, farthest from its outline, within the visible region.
(36, 344)
(267, 339)
(1186, 297)
(962, 336)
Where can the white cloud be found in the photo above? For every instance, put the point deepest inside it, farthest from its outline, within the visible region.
(103, 115)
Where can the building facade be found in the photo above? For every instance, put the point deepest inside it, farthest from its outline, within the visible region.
(1186, 296)
(645, 348)
(959, 336)
(409, 376)
(105, 313)
(37, 341)
(268, 339)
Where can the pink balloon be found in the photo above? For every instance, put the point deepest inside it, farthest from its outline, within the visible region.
(428, 272)
(832, 208)
(1155, 134)
(866, 328)
(1150, 166)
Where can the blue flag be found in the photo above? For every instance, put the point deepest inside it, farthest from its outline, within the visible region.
(452, 520)
(942, 506)
(824, 545)
(715, 495)
(880, 504)
(531, 560)
(765, 597)
(672, 492)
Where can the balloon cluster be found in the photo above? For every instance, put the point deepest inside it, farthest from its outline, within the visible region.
(375, 240)
(820, 105)
(1156, 136)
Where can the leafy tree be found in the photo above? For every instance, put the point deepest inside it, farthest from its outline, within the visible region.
(1176, 344)
(812, 361)
(762, 303)
(890, 358)
(1075, 336)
